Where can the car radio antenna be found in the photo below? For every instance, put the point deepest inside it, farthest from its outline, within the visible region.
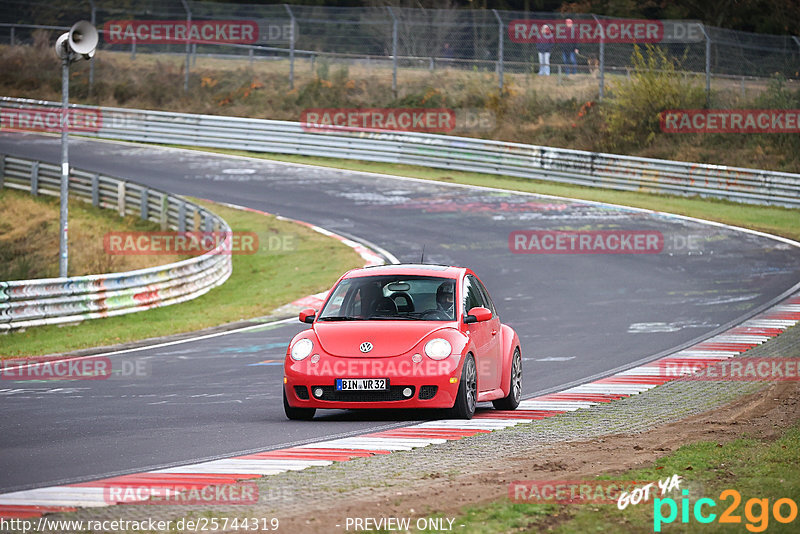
(422, 257)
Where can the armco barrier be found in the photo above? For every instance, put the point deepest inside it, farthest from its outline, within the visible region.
(26, 303)
(441, 151)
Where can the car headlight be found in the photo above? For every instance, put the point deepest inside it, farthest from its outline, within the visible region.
(302, 349)
(438, 349)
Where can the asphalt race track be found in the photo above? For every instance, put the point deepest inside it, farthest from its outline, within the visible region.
(578, 315)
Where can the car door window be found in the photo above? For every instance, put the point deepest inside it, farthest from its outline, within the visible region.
(472, 295)
(487, 299)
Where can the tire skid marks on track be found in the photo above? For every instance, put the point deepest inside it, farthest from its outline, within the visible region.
(729, 344)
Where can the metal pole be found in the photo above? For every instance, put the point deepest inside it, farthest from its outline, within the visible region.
(63, 257)
(188, 45)
(500, 52)
(91, 61)
(602, 66)
(12, 36)
(291, 47)
(708, 65)
(394, 51)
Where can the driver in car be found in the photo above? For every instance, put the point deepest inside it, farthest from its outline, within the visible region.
(444, 298)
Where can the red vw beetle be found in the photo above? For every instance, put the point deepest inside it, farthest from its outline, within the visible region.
(403, 336)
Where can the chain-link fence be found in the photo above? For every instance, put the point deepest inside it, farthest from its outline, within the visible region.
(396, 42)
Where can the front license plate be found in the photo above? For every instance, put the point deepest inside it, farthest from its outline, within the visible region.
(362, 384)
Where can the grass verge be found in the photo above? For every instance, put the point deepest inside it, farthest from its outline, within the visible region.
(756, 469)
(773, 219)
(297, 261)
(29, 238)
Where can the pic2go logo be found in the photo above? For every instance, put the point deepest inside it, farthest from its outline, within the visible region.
(756, 511)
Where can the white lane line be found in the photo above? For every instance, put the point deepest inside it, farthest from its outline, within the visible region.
(57, 496)
(264, 471)
(738, 338)
(700, 354)
(237, 463)
(783, 324)
(385, 444)
(785, 308)
(611, 388)
(655, 370)
(545, 405)
(471, 424)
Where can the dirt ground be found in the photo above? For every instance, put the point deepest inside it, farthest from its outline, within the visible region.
(763, 415)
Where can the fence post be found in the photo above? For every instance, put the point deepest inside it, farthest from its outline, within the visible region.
(500, 51)
(795, 39)
(35, 179)
(91, 60)
(182, 217)
(121, 198)
(143, 207)
(95, 190)
(708, 65)
(133, 48)
(2, 169)
(163, 214)
(12, 36)
(188, 45)
(602, 66)
(250, 54)
(394, 51)
(291, 46)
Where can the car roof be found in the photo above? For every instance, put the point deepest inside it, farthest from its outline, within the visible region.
(411, 269)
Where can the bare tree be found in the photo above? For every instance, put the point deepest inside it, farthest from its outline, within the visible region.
(424, 29)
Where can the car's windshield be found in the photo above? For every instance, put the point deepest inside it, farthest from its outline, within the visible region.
(425, 298)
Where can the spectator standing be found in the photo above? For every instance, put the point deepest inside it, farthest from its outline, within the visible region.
(569, 52)
(545, 46)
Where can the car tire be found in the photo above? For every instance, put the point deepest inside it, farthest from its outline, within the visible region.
(511, 401)
(467, 397)
(297, 414)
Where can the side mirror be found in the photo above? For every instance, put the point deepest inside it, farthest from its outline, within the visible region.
(478, 315)
(308, 315)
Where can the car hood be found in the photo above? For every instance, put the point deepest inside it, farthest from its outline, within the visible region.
(388, 338)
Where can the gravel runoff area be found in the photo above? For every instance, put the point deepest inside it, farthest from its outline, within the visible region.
(319, 491)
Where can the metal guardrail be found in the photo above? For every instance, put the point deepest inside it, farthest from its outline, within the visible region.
(578, 167)
(27, 303)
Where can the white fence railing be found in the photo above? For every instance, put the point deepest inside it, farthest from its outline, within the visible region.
(26, 303)
(430, 150)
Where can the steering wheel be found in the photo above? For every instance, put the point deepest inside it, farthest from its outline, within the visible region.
(435, 315)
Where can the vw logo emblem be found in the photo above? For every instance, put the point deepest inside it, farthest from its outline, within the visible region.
(365, 346)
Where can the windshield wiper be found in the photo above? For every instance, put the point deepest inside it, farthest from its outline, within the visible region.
(340, 318)
(393, 317)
